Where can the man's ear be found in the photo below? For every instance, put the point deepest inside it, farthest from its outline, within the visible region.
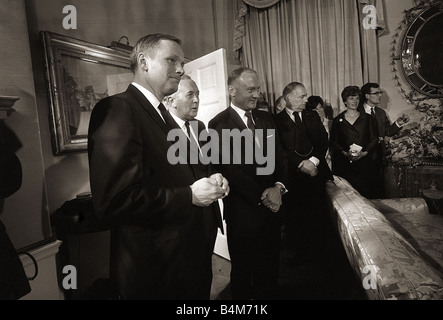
(231, 91)
(142, 60)
(169, 101)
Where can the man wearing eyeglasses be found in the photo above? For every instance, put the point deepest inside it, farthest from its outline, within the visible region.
(371, 97)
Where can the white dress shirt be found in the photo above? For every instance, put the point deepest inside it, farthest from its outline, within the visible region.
(150, 96)
(242, 114)
(182, 124)
(368, 110)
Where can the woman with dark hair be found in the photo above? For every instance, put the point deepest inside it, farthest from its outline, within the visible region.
(314, 102)
(352, 142)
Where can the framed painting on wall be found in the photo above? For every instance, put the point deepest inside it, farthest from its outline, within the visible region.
(78, 75)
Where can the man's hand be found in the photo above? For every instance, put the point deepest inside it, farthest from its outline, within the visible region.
(308, 167)
(402, 120)
(221, 181)
(207, 190)
(354, 157)
(271, 198)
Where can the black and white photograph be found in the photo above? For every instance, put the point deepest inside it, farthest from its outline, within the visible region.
(221, 158)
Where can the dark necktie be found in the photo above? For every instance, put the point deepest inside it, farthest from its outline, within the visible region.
(193, 145)
(303, 144)
(251, 126)
(165, 114)
(190, 136)
(250, 123)
(297, 118)
(373, 112)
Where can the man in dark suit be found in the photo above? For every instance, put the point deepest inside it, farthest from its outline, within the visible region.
(251, 210)
(370, 101)
(305, 141)
(183, 106)
(152, 205)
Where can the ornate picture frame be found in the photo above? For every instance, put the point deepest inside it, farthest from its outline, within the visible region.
(78, 75)
(420, 52)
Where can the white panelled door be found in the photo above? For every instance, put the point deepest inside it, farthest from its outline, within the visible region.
(210, 74)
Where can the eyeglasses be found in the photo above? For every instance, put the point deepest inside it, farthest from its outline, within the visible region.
(378, 92)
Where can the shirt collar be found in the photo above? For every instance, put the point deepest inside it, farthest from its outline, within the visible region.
(291, 113)
(148, 94)
(368, 108)
(241, 113)
(180, 122)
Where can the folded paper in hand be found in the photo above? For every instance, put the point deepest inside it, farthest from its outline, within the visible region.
(355, 148)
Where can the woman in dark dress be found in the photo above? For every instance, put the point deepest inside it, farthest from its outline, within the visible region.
(353, 140)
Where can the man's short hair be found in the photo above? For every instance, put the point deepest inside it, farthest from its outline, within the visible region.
(350, 91)
(237, 74)
(149, 43)
(366, 89)
(290, 87)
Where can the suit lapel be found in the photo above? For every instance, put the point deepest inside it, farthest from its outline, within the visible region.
(263, 126)
(148, 107)
(237, 121)
(287, 121)
(258, 122)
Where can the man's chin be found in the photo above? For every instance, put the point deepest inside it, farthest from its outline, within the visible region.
(170, 89)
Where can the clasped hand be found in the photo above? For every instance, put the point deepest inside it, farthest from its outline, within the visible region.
(355, 156)
(271, 198)
(308, 167)
(207, 190)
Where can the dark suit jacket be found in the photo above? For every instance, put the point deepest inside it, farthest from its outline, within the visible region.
(246, 186)
(202, 170)
(385, 129)
(317, 135)
(343, 134)
(146, 199)
(360, 174)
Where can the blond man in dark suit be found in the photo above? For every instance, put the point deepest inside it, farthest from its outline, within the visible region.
(252, 208)
(150, 203)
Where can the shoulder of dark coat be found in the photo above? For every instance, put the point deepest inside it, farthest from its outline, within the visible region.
(220, 117)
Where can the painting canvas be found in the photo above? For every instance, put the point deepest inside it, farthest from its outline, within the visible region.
(79, 74)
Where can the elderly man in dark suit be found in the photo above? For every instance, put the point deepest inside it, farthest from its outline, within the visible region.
(183, 106)
(153, 206)
(370, 100)
(305, 141)
(251, 210)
